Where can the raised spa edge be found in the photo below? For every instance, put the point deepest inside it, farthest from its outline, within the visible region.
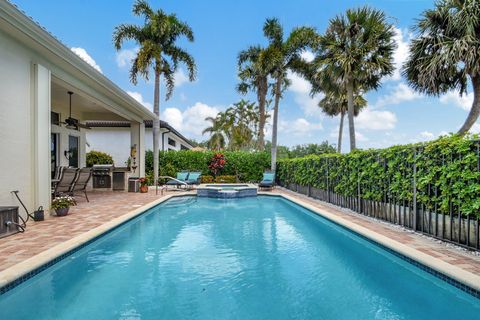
(227, 190)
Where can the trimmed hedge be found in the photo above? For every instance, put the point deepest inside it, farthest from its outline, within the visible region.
(247, 166)
(98, 157)
(447, 174)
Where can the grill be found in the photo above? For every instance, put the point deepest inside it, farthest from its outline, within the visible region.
(102, 176)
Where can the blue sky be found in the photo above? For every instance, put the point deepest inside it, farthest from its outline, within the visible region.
(395, 113)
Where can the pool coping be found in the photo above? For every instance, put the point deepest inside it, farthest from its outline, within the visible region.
(20, 272)
(468, 279)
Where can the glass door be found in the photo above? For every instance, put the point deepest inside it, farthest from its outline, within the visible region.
(73, 151)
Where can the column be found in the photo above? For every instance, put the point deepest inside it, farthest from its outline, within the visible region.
(137, 145)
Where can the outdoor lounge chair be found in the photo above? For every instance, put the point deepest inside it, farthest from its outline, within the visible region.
(64, 184)
(81, 182)
(268, 181)
(194, 178)
(181, 177)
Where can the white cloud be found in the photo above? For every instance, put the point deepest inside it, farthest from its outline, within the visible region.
(301, 90)
(401, 38)
(82, 53)
(180, 77)
(302, 127)
(360, 136)
(376, 120)
(191, 121)
(307, 56)
(465, 102)
(427, 135)
(475, 128)
(401, 93)
(125, 56)
(138, 96)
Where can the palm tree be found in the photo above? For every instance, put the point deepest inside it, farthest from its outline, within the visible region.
(158, 50)
(336, 103)
(357, 49)
(285, 55)
(445, 54)
(254, 67)
(216, 131)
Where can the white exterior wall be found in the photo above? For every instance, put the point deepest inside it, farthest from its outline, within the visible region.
(16, 123)
(116, 142)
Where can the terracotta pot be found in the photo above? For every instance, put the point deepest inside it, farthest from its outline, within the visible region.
(144, 189)
(62, 211)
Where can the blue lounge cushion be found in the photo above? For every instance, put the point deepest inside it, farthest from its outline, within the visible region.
(193, 177)
(268, 176)
(183, 176)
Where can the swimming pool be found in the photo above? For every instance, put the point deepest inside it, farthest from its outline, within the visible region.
(251, 258)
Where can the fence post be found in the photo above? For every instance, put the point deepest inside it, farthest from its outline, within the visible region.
(415, 212)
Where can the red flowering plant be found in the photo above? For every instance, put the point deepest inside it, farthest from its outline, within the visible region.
(217, 163)
(143, 182)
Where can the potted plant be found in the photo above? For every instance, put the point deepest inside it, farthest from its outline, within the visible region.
(62, 204)
(143, 185)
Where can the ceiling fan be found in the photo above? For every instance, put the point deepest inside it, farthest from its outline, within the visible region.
(72, 123)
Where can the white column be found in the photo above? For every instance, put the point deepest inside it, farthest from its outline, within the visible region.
(137, 142)
(41, 136)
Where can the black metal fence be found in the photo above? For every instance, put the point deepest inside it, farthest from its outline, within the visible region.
(451, 226)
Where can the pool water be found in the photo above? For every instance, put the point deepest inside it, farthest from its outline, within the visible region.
(250, 258)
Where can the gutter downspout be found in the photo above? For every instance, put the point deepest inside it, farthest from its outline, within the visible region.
(163, 139)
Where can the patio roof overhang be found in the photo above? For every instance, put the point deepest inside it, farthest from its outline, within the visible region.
(67, 68)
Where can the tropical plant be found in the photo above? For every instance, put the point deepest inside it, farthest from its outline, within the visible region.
(335, 103)
(216, 131)
(254, 68)
(356, 51)
(158, 50)
(98, 157)
(285, 55)
(445, 54)
(217, 163)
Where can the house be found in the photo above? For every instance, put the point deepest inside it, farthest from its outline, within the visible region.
(39, 128)
(112, 137)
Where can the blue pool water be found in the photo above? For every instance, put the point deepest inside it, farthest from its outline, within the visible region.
(251, 258)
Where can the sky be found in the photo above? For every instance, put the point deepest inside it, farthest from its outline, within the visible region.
(395, 114)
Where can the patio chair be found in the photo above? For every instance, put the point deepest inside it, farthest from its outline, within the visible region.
(80, 184)
(268, 181)
(181, 176)
(64, 184)
(194, 178)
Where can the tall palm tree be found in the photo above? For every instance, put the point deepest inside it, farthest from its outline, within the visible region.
(336, 103)
(285, 54)
(446, 54)
(216, 131)
(159, 51)
(254, 67)
(357, 49)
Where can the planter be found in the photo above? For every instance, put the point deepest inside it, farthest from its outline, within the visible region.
(143, 189)
(62, 211)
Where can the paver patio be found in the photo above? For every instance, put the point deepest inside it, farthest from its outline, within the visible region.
(105, 206)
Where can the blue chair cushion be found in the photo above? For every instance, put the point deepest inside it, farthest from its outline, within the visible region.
(193, 177)
(182, 176)
(268, 176)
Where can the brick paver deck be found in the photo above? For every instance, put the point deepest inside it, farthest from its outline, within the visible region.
(106, 206)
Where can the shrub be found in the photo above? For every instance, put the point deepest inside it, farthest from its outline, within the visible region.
(226, 179)
(207, 179)
(98, 157)
(217, 163)
(247, 166)
(63, 202)
(447, 174)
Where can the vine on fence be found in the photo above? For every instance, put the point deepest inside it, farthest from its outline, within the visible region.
(447, 174)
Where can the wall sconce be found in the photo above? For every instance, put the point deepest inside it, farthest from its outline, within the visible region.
(68, 153)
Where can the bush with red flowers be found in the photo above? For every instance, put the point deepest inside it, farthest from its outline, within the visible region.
(217, 163)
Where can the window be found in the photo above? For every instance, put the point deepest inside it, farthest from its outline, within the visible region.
(72, 153)
(182, 147)
(54, 153)
(172, 142)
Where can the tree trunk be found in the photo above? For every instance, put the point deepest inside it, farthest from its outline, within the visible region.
(340, 133)
(156, 126)
(475, 111)
(261, 96)
(351, 125)
(278, 86)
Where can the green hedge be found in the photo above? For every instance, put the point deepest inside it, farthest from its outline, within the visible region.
(447, 174)
(98, 157)
(247, 166)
